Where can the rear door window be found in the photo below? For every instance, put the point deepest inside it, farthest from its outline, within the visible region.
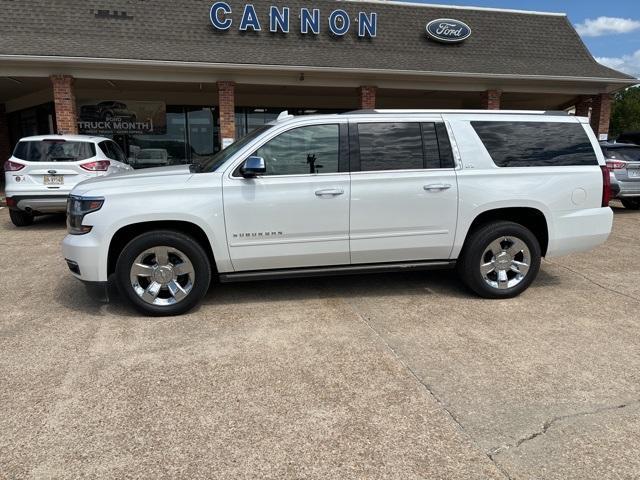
(54, 151)
(536, 144)
(403, 146)
(390, 146)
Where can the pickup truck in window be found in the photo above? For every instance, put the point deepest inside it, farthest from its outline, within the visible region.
(488, 193)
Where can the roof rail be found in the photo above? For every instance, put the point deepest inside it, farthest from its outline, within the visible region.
(469, 111)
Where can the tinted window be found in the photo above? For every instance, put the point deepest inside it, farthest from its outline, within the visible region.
(54, 151)
(536, 144)
(112, 151)
(444, 145)
(628, 154)
(430, 145)
(390, 146)
(304, 150)
(117, 152)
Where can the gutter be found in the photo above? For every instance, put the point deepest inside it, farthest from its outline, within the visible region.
(173, 64)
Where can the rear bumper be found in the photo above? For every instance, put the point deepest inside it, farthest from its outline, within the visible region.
(579, 231)
(39, 203)
(628, 189)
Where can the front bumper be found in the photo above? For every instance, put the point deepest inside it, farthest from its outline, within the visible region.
(85, 257)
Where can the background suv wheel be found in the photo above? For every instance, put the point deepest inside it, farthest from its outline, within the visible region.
(20, 218)
(631, 203)
(500, 260)
(163, 273)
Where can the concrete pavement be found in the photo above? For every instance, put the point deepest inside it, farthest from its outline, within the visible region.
(384, 376)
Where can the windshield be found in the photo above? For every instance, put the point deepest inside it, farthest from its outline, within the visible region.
(213, 163)
(628, 154)
(54, 151)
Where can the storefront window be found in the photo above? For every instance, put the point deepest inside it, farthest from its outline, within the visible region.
(250, 118)
(190, 136)
(31, 121)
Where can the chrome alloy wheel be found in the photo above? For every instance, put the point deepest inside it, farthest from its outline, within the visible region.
(162, 276)
(505, 262)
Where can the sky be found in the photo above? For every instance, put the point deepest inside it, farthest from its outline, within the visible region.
(610, 28)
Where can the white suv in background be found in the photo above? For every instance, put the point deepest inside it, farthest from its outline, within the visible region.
(371, 191)
(43, 170)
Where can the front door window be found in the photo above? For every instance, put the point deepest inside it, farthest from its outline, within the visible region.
(305, 150)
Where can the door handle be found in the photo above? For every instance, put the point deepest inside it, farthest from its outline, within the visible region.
(437, 187)
(330, 192)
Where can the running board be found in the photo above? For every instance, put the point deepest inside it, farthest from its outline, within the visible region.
(339, 270)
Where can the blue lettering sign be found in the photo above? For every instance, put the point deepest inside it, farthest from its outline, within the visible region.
(279, 20)
(218, 20)
(250, 19)
(339, 22)
(367, 25)
(222, 18)
(310, 20)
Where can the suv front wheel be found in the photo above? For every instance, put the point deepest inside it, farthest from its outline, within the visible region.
(500, 260)
(163, 273)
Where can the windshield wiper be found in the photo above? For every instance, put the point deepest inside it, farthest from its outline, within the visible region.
(59, 159)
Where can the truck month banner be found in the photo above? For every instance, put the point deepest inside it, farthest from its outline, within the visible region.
(115, 117)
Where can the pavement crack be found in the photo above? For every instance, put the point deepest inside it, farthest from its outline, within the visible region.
(590, 280)
(428, 389)
(550, 423)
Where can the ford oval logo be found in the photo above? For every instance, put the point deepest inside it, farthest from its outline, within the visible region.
(448, 30)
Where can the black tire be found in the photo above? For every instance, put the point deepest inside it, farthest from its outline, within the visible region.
(20, 218)
(473, 253)
(631, 203)
(181, 243)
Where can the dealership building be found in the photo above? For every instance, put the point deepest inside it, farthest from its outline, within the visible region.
(173, 82)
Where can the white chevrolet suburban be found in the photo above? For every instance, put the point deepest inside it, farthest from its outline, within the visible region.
(367, 191)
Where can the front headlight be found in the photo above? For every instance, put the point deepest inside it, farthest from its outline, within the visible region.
(77, 208)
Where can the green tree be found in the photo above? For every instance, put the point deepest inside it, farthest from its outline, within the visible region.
(625, 112)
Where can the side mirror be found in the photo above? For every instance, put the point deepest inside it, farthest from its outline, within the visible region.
(253, 167)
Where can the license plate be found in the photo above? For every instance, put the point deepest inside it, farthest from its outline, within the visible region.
(53, 180)
(635, 173)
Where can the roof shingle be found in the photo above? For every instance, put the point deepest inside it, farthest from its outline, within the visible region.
(502, 42)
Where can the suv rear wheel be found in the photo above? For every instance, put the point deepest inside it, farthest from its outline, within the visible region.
(20, 218)
(631, 203)
(163, 273)
(500, 260)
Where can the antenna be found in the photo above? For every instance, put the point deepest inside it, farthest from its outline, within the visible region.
(284, 116)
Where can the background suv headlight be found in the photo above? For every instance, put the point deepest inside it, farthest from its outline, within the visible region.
(77, 208)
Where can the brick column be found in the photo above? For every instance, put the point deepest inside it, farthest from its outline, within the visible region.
(5, 141)
(491, 99)
(64, 99)
(601, 114)
(367, 97)
(583, 106)
(227, 105)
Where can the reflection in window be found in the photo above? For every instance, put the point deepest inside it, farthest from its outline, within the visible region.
(191, 136)
(250, 118)
(536, 144)
(390, 146)
(305, 150)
